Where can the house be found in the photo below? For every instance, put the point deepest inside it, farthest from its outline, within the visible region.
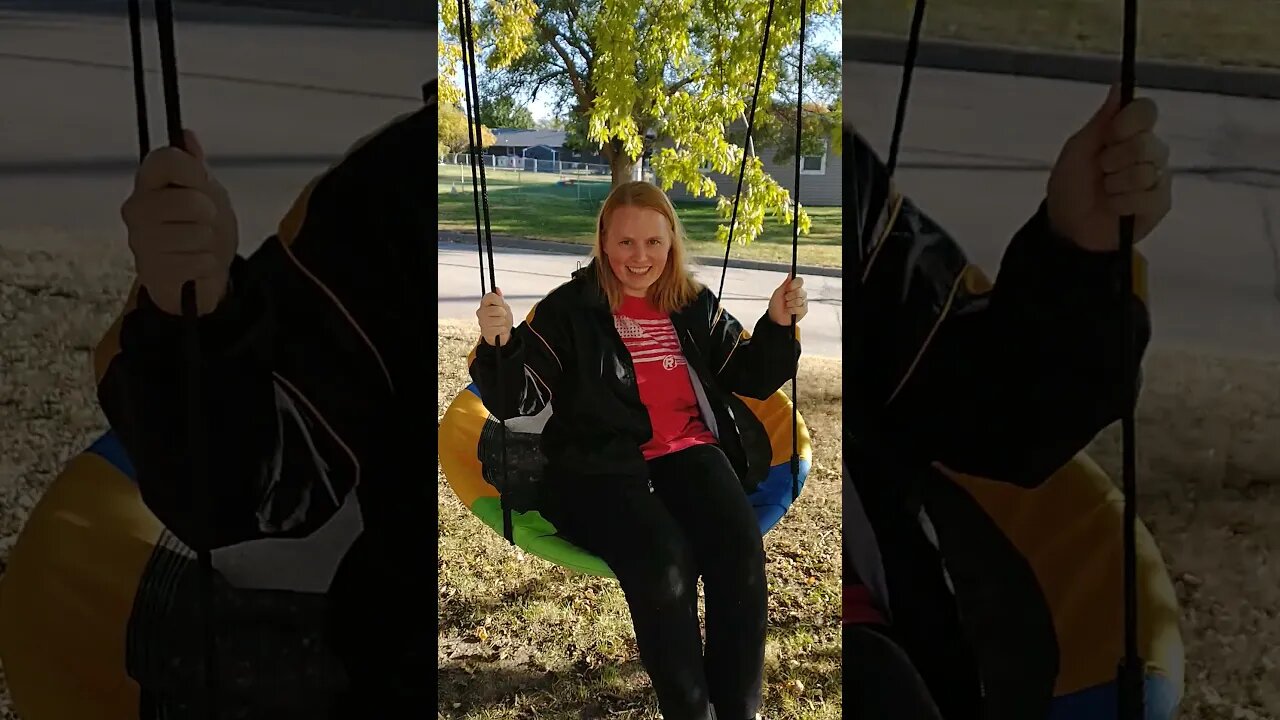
(820, 177)
(544, 151)
(547, 145)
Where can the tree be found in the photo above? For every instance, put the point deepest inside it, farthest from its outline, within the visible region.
(453, 130)
(550, 122)
(504, 112)
(681, 71)
(776, 130)
(822, 110)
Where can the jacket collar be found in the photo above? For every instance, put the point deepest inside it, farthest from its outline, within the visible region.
(587, 279)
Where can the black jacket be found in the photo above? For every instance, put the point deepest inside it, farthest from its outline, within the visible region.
(1006, 382)
(568, 353)
(314, 384)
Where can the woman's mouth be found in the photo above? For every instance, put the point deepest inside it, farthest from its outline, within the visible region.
(639, 269)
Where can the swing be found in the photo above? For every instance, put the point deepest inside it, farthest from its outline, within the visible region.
(475, 468)
(93, 564)
(1078, 533)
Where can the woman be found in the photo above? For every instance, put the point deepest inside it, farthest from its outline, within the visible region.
(648, 451)
(1007, 382)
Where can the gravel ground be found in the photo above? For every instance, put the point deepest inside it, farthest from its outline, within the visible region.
(1210, 466)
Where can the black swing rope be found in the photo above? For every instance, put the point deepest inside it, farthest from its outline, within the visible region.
(484, 241)
(795, 250)
(1130, 674)
(795, 218)
(197, 436)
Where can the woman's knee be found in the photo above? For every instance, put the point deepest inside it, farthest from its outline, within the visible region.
(735, 541)
(880, 679)
(735, 565)
(664, 572)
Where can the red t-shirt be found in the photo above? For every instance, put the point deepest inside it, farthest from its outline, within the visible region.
(858, 607)
(662, 375)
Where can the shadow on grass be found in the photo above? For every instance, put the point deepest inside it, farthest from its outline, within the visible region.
(467, 610)
(490, 689)
(518, 692)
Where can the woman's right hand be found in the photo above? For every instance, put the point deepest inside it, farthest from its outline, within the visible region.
(181, 227)
(494, 315)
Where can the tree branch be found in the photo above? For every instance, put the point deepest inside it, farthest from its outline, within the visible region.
(541, 80)
(572, 38)
(580, 88)
(582, 49)
(677, 85)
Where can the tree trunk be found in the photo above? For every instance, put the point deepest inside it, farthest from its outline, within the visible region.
(620, 164)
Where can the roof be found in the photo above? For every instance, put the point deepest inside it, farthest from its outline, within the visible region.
(513, 137)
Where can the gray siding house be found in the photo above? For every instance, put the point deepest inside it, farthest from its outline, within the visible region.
(819, 177)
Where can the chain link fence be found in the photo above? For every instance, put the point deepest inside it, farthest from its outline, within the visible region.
(528, 164)
(512, 173)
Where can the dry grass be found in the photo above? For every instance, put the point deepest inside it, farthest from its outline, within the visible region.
(519, 638)
(1209, 489)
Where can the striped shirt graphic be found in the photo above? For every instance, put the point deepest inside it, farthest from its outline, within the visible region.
(650, 341)
(662, 378)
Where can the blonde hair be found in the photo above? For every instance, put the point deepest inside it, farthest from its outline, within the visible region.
(675, 287)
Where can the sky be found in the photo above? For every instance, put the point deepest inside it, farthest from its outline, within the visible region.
(827, 37)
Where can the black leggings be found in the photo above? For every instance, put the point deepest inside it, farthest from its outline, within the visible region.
(695, 521)
(879, 679)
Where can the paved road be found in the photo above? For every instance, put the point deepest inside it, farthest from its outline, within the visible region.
(1215, 262)
(526, 276)
(274, 96)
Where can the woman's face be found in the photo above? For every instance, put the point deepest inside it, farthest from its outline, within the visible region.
(637, 241)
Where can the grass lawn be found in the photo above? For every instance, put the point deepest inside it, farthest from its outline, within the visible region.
(533, 205)
(1214, 32)
(522, 638)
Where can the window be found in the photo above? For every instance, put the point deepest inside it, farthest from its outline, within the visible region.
(815, 164)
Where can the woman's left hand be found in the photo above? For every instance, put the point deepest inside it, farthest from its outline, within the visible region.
(789, 299)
